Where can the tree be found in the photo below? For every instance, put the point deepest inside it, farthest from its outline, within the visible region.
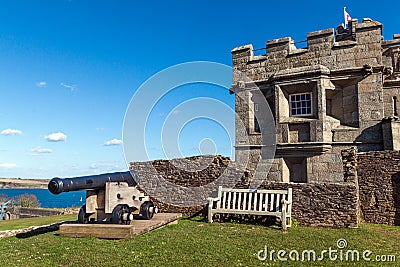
(27, 201)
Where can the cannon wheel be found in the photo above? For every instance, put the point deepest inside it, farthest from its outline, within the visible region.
(147, 210)
(118, 212)
(82, 215)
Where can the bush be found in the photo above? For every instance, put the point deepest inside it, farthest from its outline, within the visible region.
(4, 198)
(27, 201)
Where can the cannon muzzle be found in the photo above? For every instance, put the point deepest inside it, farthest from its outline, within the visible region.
(59, 185)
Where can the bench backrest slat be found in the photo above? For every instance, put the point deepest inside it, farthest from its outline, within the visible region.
(277, 202)
(234, 200)
(239, 201)
(256, 196)
(271, 204)
(219, 197)
(229, 199)
(289, 211)
(260, 202)
(224, 199)
(249, 202)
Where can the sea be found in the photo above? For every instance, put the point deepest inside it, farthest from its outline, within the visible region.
(47, 199)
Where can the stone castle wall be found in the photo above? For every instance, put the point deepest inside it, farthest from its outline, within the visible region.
(323, 204)
(371, 189)
(320, 205)
(172, 171)
(379, 183)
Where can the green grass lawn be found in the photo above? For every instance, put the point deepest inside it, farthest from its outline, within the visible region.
(27, 222)
(194, 242)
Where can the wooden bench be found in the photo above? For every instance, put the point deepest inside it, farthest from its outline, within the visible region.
(254, 202)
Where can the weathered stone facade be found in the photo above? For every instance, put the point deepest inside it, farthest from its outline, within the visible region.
(379, 182)
(338, 92)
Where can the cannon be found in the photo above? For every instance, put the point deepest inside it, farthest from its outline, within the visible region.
(110, 197)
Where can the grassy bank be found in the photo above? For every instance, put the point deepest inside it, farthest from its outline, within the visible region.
(194, 242)
(23, 183)
(27, 222)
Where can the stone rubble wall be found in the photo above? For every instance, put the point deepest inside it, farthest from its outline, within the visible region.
(32, 230)
(379, 183)
(323, 204)
(188, 172)
(35, 212)
(314, 204)
(23, 212)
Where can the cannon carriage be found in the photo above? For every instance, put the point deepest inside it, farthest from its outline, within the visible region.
(110, 197)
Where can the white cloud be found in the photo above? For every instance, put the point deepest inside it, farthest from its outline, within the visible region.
(100, 129)
(11, 132)
(113, 142)
(56, 137)
(8, 165)
(105, 166)
(41, 84)
(41, 150)
(72, 87)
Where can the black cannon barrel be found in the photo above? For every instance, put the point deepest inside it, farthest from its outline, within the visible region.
(59, 185)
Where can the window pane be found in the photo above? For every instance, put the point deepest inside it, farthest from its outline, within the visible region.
(300, 104)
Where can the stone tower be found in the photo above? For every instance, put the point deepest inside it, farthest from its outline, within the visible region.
(341, 91)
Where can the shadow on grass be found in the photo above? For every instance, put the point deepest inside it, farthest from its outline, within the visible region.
(42, 230)
(268, 221)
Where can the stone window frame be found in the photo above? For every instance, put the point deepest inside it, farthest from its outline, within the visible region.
(309, 108)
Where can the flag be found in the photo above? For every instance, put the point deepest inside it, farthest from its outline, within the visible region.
(347, 18)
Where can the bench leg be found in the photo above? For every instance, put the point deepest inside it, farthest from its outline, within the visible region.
(283, 219)
(210, 220)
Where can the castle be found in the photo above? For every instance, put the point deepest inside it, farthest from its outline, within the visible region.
(332, 115)
(340, 91)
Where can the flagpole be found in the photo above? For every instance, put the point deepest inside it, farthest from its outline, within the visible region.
(347, 17)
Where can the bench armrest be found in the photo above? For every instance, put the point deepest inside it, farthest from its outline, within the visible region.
(212, 199)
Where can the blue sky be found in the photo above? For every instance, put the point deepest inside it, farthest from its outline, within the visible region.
(69, 68)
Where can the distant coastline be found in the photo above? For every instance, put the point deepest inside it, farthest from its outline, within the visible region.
(23, 183)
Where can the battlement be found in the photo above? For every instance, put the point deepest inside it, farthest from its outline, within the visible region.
(355, 35)
(358, 45)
